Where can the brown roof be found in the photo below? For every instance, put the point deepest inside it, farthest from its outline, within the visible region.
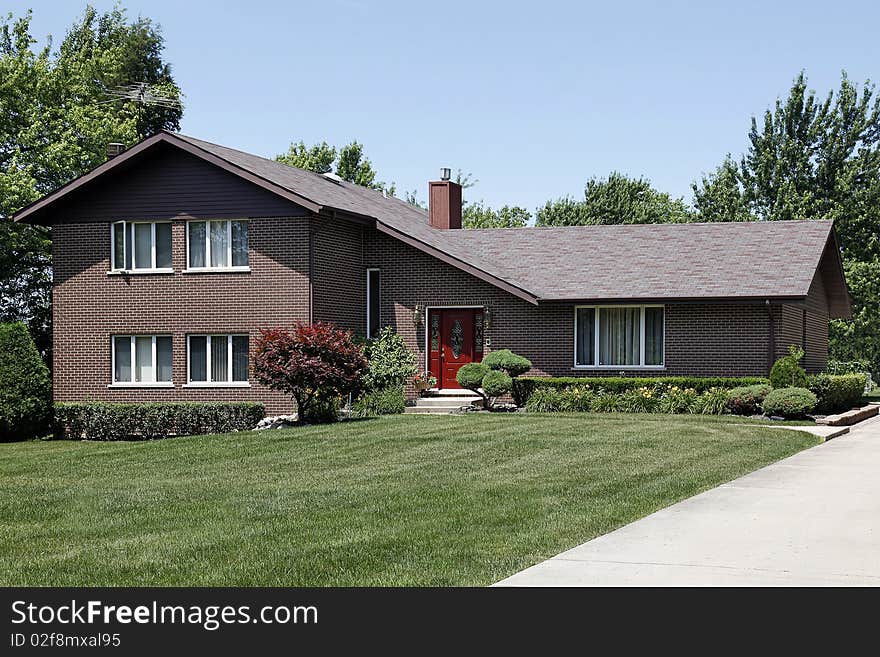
(698, 261)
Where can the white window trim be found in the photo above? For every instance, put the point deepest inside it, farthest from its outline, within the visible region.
(215, 384)
(369, 316)
(155, 367)
(618, 368)
(128, 230)
(208, 269)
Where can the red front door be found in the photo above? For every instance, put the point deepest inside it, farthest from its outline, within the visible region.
(455, 340)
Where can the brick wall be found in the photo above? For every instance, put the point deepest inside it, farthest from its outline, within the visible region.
(89, 306)
(339, 285)
(806, 325)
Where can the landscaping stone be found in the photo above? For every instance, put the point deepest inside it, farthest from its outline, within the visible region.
(277, 422)
(850, 417)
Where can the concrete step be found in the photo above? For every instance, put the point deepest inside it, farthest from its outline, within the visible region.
(446, 401)
(449, 392)
(433, 410)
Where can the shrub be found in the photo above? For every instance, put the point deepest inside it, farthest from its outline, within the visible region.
(787, 372)
(712, 402)
(607, 402)
(504, 360)
(746, 400)
(576, 400)
(641, 400)
(25, 389)
(496, 383)
(387, 401)
(528, 384)
(471, 376)
(848, 366)
(391, 363)
(105, 421)
(677, 400)
(837, 392)
(545, 400)
(314, 364)
(790, 403)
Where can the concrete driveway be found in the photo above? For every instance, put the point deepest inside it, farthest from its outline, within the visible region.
(812, 519)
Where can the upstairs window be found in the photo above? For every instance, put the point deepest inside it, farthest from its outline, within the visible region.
(140, 246)
(619, 337)
(217, 245)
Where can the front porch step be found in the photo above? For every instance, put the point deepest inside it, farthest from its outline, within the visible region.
(449, 392)
(443, 404)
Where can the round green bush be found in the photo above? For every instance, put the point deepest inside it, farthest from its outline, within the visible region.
(25, 389)
(746, 400)
(471, 376)
(790, 403)
(507, 361)
(787, 372)
(496, 383)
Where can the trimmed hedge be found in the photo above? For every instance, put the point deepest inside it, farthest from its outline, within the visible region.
(617, 384)
(639, 400)
(389, 400)
(147, 421)
(789, 403)
(839, 392)
(746, 400)
(497, 383)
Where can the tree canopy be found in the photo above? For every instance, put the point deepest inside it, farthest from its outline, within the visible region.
(55, 124)
(478, 215)
(617, 199)
(350, 162)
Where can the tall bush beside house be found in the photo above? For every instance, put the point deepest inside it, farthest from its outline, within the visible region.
(316, 364)
(837, 392)
(390, 365)
(787, 371)
(514, 365)
(25, 388)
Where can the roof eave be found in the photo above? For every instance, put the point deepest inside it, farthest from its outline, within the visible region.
(749, 299)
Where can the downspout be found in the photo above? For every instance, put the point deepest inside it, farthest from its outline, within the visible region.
(771, 341)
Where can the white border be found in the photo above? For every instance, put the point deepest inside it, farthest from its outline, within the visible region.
(216, 384)
(155, 364)
(208, 269)
(641, 366)
(128, 227)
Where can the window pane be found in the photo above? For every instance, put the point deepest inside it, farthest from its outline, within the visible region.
(143, 359)
(219, 357)
(619, 336)
(586, 336)
(163, 245)
(219, 244)
(196, 243)
(122, 353)
(653, 336)
(198, 358)
(163, 358)
(239, 243)
(129, 249)
(143, 246)
(239, 358)
(119, 246)
(373, 303)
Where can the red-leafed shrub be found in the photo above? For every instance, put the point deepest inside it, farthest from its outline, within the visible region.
(315, 364)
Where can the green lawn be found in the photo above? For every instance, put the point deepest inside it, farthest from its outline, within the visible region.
(403, 500)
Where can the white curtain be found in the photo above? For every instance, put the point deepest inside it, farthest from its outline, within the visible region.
(196, 243)
(239, 243)
(219, 244)
(619, 336)
(143, 246)
(143, 359)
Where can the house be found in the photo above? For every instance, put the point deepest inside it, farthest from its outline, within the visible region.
(169, 257)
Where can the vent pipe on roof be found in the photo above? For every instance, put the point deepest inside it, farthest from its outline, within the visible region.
(114, 149)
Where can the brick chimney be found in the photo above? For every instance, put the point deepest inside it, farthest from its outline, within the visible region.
(444, 202)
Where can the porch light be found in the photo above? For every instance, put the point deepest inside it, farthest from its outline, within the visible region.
(417, 315)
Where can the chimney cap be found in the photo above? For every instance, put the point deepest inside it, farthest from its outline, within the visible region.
(445, 173)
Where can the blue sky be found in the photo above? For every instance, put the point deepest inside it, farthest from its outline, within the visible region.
(532, 98)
